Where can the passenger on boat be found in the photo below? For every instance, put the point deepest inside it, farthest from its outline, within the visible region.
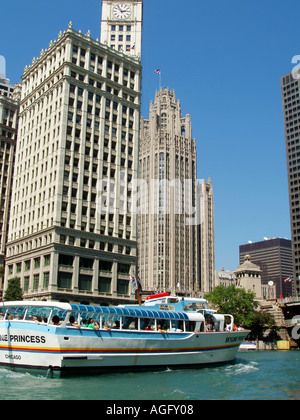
(228, 326)
(148, 328)
(92, 324)
(209, 325)
(160, 329)
(239, 327)
(38, 319)
(175, 329)
(55, 320)
(151, 327)
(72, 322)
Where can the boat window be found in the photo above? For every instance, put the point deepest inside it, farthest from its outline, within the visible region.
(147, 324)
(16, 312)
(177, 326)
(2, 313)
(111, 321)
(40, 314)
(73, 318)
(117, 323)
(163, 324)
(133, 324)
(85, 316)
(126, 322)
(194, 306)
(96, 317)
(190, 325)
(173, 300)
(58, 316)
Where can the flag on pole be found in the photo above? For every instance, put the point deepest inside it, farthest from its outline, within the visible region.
(134, 284)
(288, 280)
(157, 71)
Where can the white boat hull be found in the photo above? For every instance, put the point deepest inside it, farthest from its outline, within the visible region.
(245, 346)
(64, 350)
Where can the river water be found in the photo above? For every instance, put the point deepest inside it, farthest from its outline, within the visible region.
(259, 375)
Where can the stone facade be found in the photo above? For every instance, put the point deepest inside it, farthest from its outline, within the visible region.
(169, 233)
(248, 277)
(78, 126)
(206, 236)
(9, 110)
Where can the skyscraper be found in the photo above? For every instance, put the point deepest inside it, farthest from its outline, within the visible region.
(168, 228)
(77, 153)
(290, 90)
(206, 236)
(274, 257)
(9, 110)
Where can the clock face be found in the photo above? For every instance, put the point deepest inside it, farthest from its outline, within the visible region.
(122, 11)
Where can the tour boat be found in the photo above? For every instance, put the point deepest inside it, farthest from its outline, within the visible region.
(63, 338)
(248, 345)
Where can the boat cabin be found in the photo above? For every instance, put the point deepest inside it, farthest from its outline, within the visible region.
(109, 318)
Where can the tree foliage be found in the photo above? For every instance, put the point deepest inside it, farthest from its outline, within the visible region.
(261, 320)
(234, 301)
(240, 303)
(14, 290)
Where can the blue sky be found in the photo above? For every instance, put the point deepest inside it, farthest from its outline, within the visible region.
(224, 61)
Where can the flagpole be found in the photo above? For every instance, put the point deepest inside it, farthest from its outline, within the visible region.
(158, 71)
(139, 297)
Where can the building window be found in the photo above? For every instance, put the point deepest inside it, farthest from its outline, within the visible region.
(64, 280)
(104, 285)
(47, 259)
(46, 280)
(85, 282)
(65, 260)
(86, 263)
(37, 262)
(36, 279)
(123, 268)
(26, 284)
(123, 287)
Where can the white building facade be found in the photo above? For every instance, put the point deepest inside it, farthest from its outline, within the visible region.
(71, 237)
(9, 110)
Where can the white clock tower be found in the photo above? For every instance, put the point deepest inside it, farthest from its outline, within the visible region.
(121, 26)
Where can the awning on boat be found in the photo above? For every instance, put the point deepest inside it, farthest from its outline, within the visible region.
(136, 312)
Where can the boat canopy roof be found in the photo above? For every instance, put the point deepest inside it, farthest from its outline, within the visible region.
(135, 312)
(141, 312)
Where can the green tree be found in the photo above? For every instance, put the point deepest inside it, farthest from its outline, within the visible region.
(234, 301)
(14, 290)
(261, 321)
